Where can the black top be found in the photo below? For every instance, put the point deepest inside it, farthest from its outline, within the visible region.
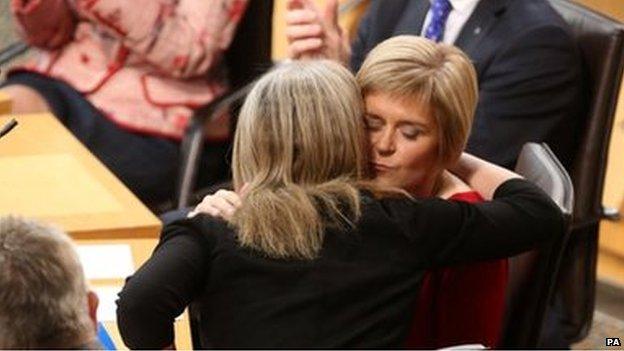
(358, 293)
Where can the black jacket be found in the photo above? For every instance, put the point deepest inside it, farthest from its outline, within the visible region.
(360, 291)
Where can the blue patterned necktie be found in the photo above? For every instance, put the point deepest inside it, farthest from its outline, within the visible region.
(439, 14)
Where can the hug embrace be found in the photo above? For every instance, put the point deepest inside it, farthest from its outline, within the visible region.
(345, 200)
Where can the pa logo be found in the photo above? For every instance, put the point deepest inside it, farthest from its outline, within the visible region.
(613, 342)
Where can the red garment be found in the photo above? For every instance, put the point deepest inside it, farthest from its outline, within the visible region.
(461, 304)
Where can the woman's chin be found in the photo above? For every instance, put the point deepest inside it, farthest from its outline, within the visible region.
(386, 181)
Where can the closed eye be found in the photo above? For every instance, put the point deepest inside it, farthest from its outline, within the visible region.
(373, 122)
(410, 132)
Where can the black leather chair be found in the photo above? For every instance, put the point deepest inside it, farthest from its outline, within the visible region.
(601, 42)
(531, 275)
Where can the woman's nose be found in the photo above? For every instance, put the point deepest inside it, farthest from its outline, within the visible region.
(385, 144)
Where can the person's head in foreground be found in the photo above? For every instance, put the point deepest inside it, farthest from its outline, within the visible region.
(300, 147)
(420, 99)
(44, 300)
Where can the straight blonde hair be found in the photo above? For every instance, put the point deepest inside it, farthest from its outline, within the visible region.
(439, 75)
(300, 147)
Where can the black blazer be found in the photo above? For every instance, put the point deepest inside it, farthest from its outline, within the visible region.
(359, 292)
(528, 66)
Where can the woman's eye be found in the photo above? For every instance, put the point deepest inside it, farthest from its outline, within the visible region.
(410, 132)
(373, 123)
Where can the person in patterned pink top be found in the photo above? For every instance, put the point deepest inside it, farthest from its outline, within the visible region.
(125, 76)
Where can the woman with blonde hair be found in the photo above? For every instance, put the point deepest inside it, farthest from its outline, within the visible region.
(420, 99)
(312, 257)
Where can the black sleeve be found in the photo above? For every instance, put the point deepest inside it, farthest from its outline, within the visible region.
(162, 288)
(519, 218)
(530, 91)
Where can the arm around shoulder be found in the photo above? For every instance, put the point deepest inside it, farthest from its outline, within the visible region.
(519, 217)
(163, 286)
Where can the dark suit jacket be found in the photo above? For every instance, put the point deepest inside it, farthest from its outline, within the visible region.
(528, 66)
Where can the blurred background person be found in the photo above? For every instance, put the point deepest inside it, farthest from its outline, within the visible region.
(44, 299)
(349, 12)
(125, 76)
(528, 67)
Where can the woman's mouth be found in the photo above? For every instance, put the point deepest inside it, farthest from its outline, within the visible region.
(380, 167)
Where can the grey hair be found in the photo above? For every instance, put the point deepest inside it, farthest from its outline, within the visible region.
(43, 293)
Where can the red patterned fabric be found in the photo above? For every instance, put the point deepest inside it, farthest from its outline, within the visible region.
(461, 304)
(145, 63)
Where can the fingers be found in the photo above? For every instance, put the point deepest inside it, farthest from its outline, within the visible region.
(232, 198)
(304, 47)
(205, 208)
(300, 4)
(244, 190)
(303, 31)
(331, 13)
(222, 204)
(302, 16)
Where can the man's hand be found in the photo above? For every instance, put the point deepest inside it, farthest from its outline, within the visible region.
(312, 35)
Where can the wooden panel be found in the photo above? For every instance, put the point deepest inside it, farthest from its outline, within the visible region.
(611, 257)
(47, 174)
(141, 251)
(611, 8)
(5, 103)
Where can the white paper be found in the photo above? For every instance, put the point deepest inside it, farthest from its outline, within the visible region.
(106, 261)
(107, 309)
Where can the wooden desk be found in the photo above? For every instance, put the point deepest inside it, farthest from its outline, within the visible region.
(46, 173)
(141, 251)
(5, 104)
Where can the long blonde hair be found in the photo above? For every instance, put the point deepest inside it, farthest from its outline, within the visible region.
(438, 74)
(300, 147)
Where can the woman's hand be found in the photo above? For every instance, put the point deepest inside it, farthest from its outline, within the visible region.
(221, 204)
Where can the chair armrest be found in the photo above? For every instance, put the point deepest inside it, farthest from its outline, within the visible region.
(193, 141)
(12, 51)
(611, 214)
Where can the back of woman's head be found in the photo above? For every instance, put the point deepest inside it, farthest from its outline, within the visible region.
(300, 145)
